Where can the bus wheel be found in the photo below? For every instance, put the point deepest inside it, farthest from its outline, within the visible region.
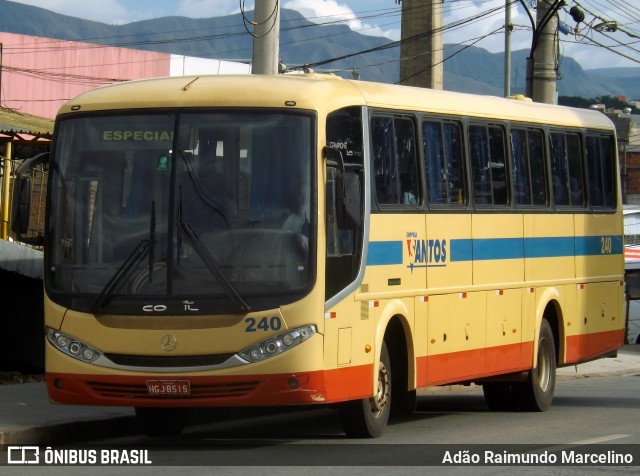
(536, 394)
(500, 396)
(368, 417)
(157, 422)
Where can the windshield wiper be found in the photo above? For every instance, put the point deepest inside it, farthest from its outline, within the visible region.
(136, 256)
(211, 264)
(143, 248)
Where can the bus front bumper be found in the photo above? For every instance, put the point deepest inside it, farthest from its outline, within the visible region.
(303, 388)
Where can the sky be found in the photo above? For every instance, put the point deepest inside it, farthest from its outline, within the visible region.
(382, 18)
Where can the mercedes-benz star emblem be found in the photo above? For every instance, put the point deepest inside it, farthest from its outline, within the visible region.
(168, 343)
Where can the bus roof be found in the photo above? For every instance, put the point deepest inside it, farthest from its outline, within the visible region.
(320, 93)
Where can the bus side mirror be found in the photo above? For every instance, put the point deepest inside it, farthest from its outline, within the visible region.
(21, 208)
(21, 205)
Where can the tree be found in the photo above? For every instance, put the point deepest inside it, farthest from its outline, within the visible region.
(610, 102)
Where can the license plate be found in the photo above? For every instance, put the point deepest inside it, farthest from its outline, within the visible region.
(168, 387)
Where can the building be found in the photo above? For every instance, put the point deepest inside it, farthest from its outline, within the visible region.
(39, 74)
(628, 132)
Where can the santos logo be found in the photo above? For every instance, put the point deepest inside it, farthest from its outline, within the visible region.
(427, 253)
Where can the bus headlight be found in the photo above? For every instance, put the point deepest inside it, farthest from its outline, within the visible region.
(277, 344)
(71, 346)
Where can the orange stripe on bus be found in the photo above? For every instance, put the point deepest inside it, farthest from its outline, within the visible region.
(442, 369)
(589, 346)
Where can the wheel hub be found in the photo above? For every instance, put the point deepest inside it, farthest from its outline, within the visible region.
(381, 399)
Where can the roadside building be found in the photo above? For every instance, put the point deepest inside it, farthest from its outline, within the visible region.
(628, 132)
(37, 75)
(40, 74)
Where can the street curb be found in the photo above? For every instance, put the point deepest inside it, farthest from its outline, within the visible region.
(61, 433)
(579, 376)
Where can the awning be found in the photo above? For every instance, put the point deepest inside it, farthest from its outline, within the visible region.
(14, 123)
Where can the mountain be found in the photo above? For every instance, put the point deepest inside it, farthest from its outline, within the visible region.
(303, 42)
(620, 81)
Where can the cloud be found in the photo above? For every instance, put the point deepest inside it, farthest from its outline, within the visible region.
(108, 11)
(332, 11)
(209, 8)
(458, 12)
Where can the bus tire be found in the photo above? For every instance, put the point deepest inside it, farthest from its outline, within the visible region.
(536, 394)
(161, 422)
(368, 417)
(500, 396)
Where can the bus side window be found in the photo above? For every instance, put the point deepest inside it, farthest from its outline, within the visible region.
(535, 142)
(559, 170)
(576, 172)
(395, 161)
(566, 169)
(498, 165)
(488, 164)
(601, 164)
(444, 163)
(520, 167)
(434, 162)
(384, 160)
(528, 172)
(454, 160)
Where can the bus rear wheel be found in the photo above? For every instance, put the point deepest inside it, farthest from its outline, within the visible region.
(536, 394)
(368, 417)
(159, 422)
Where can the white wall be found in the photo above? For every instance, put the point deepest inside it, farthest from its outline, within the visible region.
(189, 65)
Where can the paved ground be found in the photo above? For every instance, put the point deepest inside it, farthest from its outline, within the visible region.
(27, 416)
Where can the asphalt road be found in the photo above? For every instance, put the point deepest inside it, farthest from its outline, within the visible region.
(596, 415)
(591, 411)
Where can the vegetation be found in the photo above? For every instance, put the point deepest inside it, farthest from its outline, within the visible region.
(610, 102)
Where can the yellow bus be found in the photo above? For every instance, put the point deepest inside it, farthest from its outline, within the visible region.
(234, 241)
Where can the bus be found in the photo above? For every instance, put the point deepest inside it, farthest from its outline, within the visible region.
(258, 241)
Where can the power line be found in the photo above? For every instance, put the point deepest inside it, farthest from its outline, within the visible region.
(57, 47)
(235, 30)
(457, 52)
(394, 44)
(606, 27)
(273, 18)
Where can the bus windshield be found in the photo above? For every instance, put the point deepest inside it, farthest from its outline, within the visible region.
(181, 212)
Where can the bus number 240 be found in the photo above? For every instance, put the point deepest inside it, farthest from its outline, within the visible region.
(264, 324)
(606, 247)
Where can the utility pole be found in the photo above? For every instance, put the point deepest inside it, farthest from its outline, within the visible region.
(508, 27)
(266, 37)
(421, 47)
(542, 61)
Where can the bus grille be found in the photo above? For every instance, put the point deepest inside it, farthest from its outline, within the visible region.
(168, 362)
(136, 391)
